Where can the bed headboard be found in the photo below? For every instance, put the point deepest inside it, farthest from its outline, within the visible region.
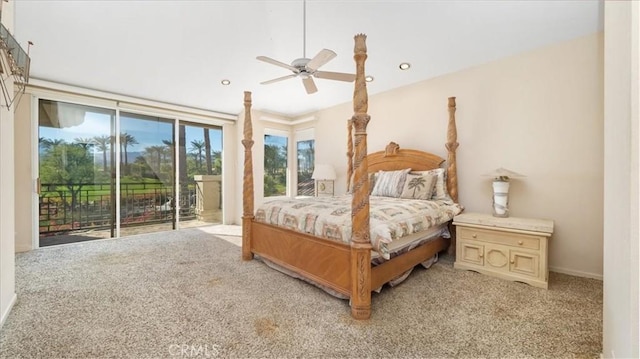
(394, 158)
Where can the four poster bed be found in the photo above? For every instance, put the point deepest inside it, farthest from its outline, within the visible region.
(338, 256)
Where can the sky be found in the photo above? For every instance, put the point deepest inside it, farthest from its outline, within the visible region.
(145, 131)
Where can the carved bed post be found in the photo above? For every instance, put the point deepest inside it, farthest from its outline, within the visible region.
(349, 152)
(452, 146)
(360, 243)
(452, 170)
(247, 183)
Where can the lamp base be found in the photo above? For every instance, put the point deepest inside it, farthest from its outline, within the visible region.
(500, 198)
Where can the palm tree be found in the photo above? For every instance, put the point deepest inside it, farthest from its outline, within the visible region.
(169, 149)
(126, 140)
(198, 146)
(217, 162)
(157, 151)
(83, 142)
(102, 144)
(416, 183)
(207, 150)
(47, 143)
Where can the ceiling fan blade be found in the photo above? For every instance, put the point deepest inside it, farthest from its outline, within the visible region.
(277, 63)
(278, 79)
(340, 76)
(309, 85)
(320, 59)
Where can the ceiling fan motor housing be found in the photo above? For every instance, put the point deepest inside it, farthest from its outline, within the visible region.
(301, 65)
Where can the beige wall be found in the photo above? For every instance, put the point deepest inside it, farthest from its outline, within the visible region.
(23, 175)
(7, 197)
(538, 113)
(261, 122)
(621, 318)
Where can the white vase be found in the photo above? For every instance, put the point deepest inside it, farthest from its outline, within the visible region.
(500, 198)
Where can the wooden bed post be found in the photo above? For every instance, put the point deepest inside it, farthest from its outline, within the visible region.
(452, 146)
(452, 170)
(360, 242)
(247, 183)
(349, 153)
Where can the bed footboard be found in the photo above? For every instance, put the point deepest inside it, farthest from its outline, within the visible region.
(325, 262)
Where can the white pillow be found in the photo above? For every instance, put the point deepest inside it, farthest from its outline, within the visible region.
(390, 183)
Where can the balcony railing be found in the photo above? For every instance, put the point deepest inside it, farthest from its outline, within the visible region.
(90, 206)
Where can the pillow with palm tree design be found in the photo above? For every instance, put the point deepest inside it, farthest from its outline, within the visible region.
(418, 186)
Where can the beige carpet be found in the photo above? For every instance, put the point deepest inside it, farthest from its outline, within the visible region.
(188, 294)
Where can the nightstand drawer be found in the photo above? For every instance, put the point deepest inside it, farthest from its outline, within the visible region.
(497, 237)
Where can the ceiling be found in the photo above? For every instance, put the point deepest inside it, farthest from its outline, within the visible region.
(179, 51)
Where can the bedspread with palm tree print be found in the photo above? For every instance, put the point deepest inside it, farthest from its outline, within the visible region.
(330, 217)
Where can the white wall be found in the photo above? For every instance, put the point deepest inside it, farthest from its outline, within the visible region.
(7, 199)
(539, 113)
(620, 307)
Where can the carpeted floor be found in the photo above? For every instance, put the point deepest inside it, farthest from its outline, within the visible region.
(188, 294)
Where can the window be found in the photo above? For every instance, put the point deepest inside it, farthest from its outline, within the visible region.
(275, 165)
(306, 155)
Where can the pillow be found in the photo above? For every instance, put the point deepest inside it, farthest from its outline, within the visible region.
(440, 188)
(418, 186)
(390, 183)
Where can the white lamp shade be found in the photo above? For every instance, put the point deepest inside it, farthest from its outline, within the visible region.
(503, 173)
(324, 172)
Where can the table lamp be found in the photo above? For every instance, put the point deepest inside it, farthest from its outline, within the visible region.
(501, 178)
(324, 175)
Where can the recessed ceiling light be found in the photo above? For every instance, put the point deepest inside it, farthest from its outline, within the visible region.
(225, 82)
(369, 78)
(405, 66)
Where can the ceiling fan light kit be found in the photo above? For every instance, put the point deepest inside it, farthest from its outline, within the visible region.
(306, 68)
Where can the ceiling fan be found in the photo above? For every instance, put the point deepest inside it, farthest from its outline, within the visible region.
(306, 68)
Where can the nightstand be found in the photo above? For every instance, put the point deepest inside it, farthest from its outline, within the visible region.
(510, 248)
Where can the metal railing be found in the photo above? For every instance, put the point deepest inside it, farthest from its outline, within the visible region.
(90, 206)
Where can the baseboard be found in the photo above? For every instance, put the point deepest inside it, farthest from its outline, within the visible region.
(575, 273)
(9, 307)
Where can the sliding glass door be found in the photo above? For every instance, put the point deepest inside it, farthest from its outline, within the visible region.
(147, 176)
(104, 173)
(76, 183)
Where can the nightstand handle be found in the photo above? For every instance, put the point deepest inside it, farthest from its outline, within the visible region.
(520, 242)
(474, 235)
(481, 255)
(513, 262)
